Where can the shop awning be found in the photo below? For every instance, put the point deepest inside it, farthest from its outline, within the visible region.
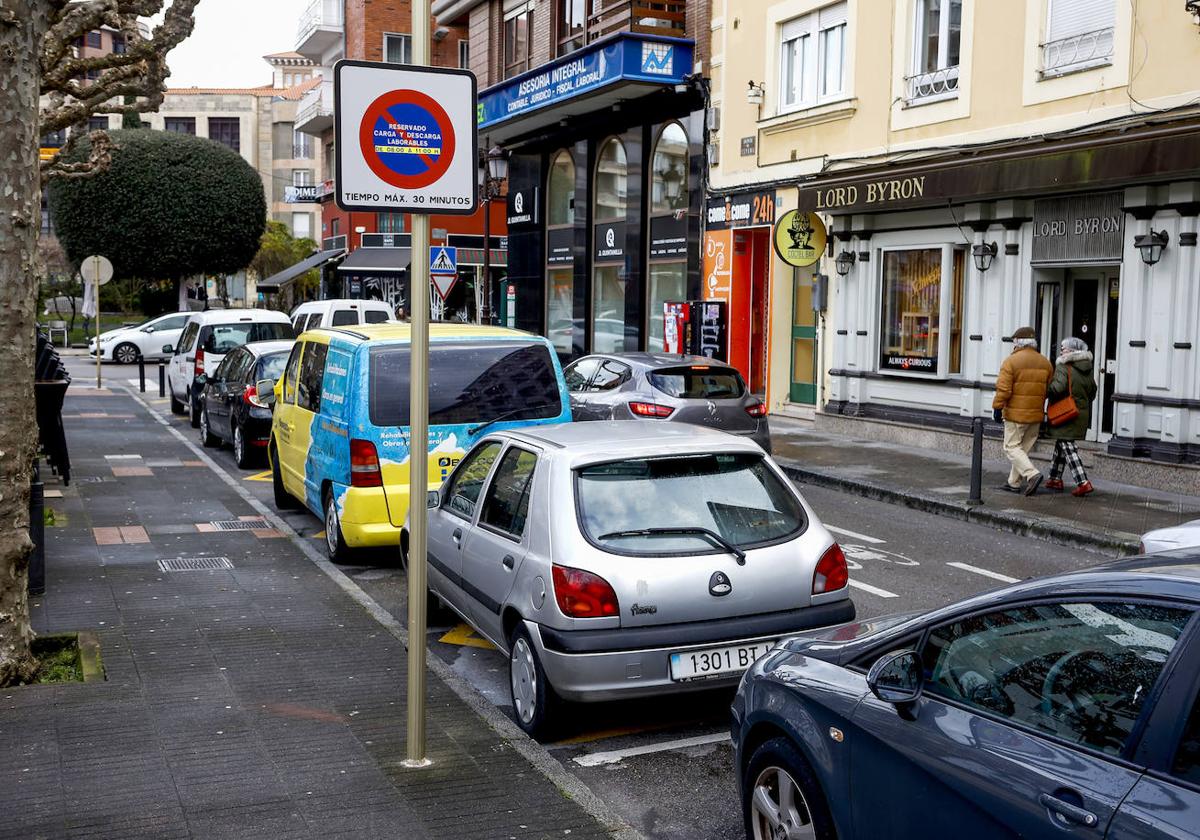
(376, 259)
(272, 283)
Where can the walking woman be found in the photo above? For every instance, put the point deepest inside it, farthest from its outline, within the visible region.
(1072, 375)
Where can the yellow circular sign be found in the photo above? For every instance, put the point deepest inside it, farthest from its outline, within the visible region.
(799, 238)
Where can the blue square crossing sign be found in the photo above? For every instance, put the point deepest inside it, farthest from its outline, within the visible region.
(443, 259)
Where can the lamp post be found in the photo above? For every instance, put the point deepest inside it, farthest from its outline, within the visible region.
(492, 174)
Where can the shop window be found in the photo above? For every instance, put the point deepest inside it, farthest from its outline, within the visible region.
(572, 26)
(564, 331)
(669, 170)
(518, 23)
(560, 191)
(611, 184)
(1079, 36)
(922, 291)
(397, 49)
(936, 45)
(610, 187)
(812, 58)
(608, 300)
(668, 281)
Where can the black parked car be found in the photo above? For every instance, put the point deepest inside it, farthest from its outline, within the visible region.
(231, 410)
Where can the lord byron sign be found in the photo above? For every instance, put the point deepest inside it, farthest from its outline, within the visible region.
(1075, 229)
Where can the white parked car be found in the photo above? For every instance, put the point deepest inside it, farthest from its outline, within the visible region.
(1183, 535)
(144, 341)
(344, 312)
(206, 339)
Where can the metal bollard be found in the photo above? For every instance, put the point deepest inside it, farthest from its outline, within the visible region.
(141, 374)
(37, 533)
(162, 380)
(976, 462)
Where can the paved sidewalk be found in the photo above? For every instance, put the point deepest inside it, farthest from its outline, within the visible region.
(260, 701)
(1109, 520)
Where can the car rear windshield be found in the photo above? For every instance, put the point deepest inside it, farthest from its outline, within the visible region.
(221, 338)
(471, 382)
(698, 382)
(271, 365)
(736, 497)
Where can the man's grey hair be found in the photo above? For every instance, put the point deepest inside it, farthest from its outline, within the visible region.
(1019, 343)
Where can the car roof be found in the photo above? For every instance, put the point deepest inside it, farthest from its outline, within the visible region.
(402, 332)
(210, 316)
(311, 305)
(652, 360)
(263, 348)
(608, 440)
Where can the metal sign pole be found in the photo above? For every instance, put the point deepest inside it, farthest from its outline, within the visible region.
(418, 444)
(96, 301)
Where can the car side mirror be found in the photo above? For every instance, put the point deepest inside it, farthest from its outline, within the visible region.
(149, 329)
(168, 349)
(265, 388)
(897, 677)
(433, 499)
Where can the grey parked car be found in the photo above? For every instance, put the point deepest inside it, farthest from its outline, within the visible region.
(659, 386)
(1065, 706)
(613, 560)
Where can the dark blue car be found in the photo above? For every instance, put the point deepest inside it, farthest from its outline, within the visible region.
(1060, 707)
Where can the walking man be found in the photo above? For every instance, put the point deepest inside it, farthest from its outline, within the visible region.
(1072, 375)
(1020, 403)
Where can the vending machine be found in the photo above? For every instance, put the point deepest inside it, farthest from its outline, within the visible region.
(696, 328)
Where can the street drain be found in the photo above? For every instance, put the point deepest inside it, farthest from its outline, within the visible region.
(194, 564)
(241, 525)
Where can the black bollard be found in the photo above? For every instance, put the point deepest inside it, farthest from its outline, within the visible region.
(162, 380)
(141, 374)
(37, 533)
(976, 462)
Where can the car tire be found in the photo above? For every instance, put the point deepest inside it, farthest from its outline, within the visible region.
(533, 698)
(193, 410)
(283, 499)
(241, 450)
(207, 438)
(126, 353)
(335, 541)
(777, 765)
(177, 406)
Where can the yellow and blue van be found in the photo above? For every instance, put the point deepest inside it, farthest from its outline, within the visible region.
(340, 427)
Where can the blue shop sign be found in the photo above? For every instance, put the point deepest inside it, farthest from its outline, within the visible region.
(624, 57)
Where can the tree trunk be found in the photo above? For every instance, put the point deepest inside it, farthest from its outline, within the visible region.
(21, 23)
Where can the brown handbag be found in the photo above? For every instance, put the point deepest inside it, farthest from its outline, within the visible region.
(1063, 410)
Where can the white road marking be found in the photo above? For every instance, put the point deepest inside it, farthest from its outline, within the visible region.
(874, 590)
(613, 756)
(847, 533)
(967, 567)
(123, 457)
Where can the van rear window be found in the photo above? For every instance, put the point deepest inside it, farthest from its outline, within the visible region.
(221, 338)
(470, 382)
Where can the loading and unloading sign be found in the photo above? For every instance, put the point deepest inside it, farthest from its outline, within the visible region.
(407, 139)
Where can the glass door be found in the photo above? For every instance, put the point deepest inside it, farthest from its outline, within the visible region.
(803, 388)
(1092, 297)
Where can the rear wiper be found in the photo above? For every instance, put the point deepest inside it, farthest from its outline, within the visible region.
(712, 536)
(473, 430)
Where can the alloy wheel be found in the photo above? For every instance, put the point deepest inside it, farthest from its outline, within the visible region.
(204, 427)
(239, 445)
(126, 354)
(523, 673)
(779, 810)
(331, 527)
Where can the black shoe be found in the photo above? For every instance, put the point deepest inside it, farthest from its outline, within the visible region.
(1032, 484)
(1009, 488)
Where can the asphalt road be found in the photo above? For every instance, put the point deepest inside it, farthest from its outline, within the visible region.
(666, 764)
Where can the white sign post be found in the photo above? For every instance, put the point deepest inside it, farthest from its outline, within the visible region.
(96, 270)
(406, 142)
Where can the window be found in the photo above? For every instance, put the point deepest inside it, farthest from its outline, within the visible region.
(389, 222)
(224, 338)
(312, 374)
(118, 44)
(302, 177)
(668, 281)
(1076, 671)
(609, 280)
(560, 191)
(290, 374)
(226, 130)
(376, 316)
(180, 125)
(506, 505)
(669, 171)
(1187, 756)
(188, 339)
(397, 49)
(611, 181)
(173, 322)
(464, 54)
(610, 375)
(918, 286)
(345, 317)
(579, 373)
(935, 50)
(94, 40)
(518, 23)
(812, 58)
(572, 25)
(302, 225)
(1079, 36)
(301, 145)
(699, 383)
(564, 332)
(98, 123)
(314, 320)
(467, 481)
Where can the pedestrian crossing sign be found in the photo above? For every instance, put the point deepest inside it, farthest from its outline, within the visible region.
(443, 260)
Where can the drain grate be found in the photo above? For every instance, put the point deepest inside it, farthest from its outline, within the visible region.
(194, 564)
(241, 525)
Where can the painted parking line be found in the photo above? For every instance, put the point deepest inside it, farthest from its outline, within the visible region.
(265, 475)
(845, 532)
(967, 567)
(613, 756)
(874, 590)
(464, 635)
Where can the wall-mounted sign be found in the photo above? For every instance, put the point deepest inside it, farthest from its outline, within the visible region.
(523, 207)
(610, 242)
(749, 146)
(560, 246)
(668, 237)
(301, 194)
(911, 364)
(386, 240)
(799, 238)
(1078, 229)
(749, 209)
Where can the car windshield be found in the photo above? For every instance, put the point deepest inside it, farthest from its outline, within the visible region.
(225, 337)
(736, 497)
(698, 382)
(271, 365)
(470, 382)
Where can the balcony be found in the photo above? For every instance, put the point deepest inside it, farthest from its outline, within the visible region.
(320, 29)
(1079, 52)
(648, 17)
(314, 112)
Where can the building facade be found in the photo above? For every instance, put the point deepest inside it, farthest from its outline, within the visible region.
(979, 167)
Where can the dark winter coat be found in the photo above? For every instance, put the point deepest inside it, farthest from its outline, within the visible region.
(1083, 389)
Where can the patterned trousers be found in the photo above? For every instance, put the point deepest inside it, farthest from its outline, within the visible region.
(1065, 453)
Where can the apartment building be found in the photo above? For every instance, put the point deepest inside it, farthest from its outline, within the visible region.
(980, 166)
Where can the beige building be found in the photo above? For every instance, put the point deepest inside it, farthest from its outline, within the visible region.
(980, 165)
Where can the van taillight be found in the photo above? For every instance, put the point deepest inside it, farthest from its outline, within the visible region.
(831, 573)
(582, 594)
(199, 368)
(364, 465)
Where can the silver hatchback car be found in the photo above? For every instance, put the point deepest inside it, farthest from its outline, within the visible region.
(613, 560)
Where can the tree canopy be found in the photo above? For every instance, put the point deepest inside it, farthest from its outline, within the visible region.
(169, 206)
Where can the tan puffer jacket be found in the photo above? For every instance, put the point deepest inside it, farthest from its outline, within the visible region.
(1021, 386)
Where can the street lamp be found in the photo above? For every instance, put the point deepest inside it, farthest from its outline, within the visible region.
(984, 253)
(493, 172)
(844, 262)
(1151, 245)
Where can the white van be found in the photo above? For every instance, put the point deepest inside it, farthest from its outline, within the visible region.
(345, 312)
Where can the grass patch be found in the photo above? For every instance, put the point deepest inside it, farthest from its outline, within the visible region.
(59, 657)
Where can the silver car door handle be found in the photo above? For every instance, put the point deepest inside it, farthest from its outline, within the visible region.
(1067, 811)
(509, 562)
(457, 536)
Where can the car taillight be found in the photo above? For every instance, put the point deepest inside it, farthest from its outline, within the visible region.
(643, 409)
(364, 465)
(831, 573)
(756, 410)
(250, 396)
(582, 594)
(199, 368)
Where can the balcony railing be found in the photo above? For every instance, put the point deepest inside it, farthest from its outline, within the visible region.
(1079, 52)
(931, 87)
(320, 27)
(649, 17)
(314, 111)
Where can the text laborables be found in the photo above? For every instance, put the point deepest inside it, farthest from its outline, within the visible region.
(872, 192)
